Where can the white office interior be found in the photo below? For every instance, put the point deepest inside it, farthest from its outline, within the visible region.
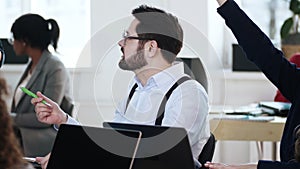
(98, 83)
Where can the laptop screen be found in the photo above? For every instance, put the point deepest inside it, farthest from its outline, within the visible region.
(93, 147)
(161, 147)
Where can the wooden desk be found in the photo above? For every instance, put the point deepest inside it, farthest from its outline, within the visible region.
(243, 130)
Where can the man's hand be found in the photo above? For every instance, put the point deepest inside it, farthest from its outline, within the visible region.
(48, 113)
(43, 161)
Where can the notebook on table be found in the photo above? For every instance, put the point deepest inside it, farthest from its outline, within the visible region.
(274, 108)
(92, 147)
(161, 147)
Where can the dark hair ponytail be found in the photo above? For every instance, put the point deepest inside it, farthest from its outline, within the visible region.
(35, 31)
(54, 32)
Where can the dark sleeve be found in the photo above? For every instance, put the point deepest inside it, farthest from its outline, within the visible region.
(259, 49)
(262, 164)
(3, 54)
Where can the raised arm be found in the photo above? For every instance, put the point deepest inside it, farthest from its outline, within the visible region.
(284, 75)
(260, 50)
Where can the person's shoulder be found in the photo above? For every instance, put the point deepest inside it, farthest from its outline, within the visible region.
(193, 83)
(55, 61)
(55, 57)
(192, 87)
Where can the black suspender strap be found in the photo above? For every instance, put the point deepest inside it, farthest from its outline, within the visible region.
(161, 110)
(130, 95)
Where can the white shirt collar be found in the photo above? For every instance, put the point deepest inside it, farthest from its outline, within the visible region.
(165, 78)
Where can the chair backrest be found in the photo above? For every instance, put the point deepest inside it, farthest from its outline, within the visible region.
(195, 68)
(208, 150)
(67, 106)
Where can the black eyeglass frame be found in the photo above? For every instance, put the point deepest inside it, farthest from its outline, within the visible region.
(125, 37)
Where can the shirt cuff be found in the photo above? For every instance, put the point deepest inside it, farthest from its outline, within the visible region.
(70, 120)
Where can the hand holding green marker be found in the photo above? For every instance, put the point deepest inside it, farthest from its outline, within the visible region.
(28, 92)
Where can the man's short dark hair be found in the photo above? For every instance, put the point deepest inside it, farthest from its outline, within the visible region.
(160, 26)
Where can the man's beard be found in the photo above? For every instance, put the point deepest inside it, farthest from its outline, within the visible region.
(135, 62)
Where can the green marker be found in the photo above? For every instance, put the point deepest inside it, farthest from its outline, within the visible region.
(29, 93)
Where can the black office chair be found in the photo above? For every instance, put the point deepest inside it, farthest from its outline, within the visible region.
(208, 150)
(67, 106)
(194, 67)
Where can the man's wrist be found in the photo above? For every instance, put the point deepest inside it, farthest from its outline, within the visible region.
(67, 117)
(63, 119)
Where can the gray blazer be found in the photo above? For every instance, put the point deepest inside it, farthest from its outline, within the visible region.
(52, 79)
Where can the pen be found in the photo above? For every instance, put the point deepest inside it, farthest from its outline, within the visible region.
(30, 159)
(28, 92)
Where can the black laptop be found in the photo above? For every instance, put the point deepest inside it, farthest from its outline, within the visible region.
(161, 147)
(93, 147)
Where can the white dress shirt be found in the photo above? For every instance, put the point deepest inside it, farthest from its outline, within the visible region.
(187, 106)
(19, 93)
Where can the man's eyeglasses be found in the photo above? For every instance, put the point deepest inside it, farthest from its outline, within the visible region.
(127, 37)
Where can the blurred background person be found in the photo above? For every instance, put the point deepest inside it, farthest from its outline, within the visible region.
(279, 97)
(11, 156)
(31, 36)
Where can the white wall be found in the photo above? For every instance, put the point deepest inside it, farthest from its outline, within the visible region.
(97, 89)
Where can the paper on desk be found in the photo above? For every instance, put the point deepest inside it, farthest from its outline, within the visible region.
(253, 110)
(246, 117)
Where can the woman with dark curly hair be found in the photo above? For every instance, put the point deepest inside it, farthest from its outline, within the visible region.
(11, 156)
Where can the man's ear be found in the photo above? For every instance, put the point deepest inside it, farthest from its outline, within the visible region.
(151, 47)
